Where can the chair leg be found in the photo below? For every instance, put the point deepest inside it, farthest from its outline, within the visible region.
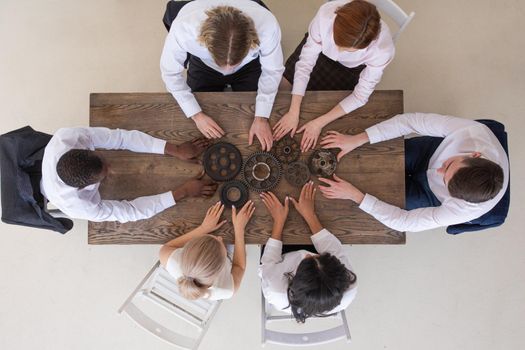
(139, 287)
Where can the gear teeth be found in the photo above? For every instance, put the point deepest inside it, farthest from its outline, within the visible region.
(287, 150)
(222, 161)
(297, 173)
(322, 162)
(273, 177)
(244, 193)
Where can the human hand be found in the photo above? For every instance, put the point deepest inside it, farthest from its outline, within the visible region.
(240, 219)
(261, 128)
(341, 189)
(311, 130)
(305, 206)
(278, 211)
(287, 124)
(211, 220)
(188, 150)
(207, 126)
(196, 187)
(347, 143)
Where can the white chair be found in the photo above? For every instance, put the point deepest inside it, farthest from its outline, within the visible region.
(158, 288)
(300, 339)
(399, 16)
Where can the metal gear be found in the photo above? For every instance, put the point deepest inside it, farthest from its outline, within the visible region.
(297, 173)
(222, 161)
(287, 150)
(234, 193)
(322, 162)
(261, 171)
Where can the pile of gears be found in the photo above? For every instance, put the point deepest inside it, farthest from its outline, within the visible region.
(262, 171)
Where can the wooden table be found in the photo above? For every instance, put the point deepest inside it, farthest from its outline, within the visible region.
(375, 169)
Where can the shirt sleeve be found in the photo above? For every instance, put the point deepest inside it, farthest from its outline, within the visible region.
(132, 140)
(309, 54)
(325, 242)
(450, 212)
(272, 68)
(425, 124)
(133, 210)
(172, 67)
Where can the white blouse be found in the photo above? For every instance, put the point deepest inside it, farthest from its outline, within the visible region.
(222, 287)
(376, 56)
(275, 265)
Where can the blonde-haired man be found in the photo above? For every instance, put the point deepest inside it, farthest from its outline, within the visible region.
(223, 42)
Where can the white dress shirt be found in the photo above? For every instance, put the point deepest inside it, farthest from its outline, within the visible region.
(85, 203)
(222, 287)
(376, 56)
(275, 265)
(184, 37)
(461, 137)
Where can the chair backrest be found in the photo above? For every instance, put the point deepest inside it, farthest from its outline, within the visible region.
(329, 335)
(161, 289)
(400, 17)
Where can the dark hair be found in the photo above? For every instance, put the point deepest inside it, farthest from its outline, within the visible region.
(80, 168)
(478, 181)
(356, 24)
(318, 286)
(228, 34)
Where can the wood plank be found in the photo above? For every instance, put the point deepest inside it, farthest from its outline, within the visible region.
(376, 169)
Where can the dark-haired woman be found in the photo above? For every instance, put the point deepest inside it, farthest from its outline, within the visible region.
(347, 47)
(305, 283)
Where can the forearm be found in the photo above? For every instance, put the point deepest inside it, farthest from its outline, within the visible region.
(333, 114)
(239, 250)
(295, 104)
(277, 230)
(180, 241)
(313, 223)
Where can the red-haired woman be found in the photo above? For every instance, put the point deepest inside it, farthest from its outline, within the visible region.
(347, 47)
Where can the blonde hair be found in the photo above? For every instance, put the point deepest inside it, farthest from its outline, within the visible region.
(228, 34)
(201, 260)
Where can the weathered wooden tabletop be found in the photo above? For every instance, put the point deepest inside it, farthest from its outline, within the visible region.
(376, 169)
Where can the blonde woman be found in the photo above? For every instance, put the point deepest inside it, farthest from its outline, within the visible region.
(199, 261)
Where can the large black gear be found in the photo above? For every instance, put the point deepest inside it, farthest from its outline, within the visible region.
(234, 193)
(322, 162)
(297, 173)
(287, 150)
(222, 161)
(262, 171)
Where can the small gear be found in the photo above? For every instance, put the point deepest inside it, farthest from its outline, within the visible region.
(287, 150)
(234, 193)
(297, 173)
(261, 171)
(322, 162)
(222, 161)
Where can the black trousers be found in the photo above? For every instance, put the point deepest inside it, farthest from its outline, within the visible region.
(204, 78)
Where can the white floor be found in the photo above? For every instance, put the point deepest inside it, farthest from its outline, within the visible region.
(463, 58)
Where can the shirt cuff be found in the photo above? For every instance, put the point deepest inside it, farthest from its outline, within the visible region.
(190, 107)
(367, 205)
(350, 103)
(158, 146)
(167, 199)
(274, 243)
(298, 89)
(321, 235)
(263, 109)
(374, 136)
